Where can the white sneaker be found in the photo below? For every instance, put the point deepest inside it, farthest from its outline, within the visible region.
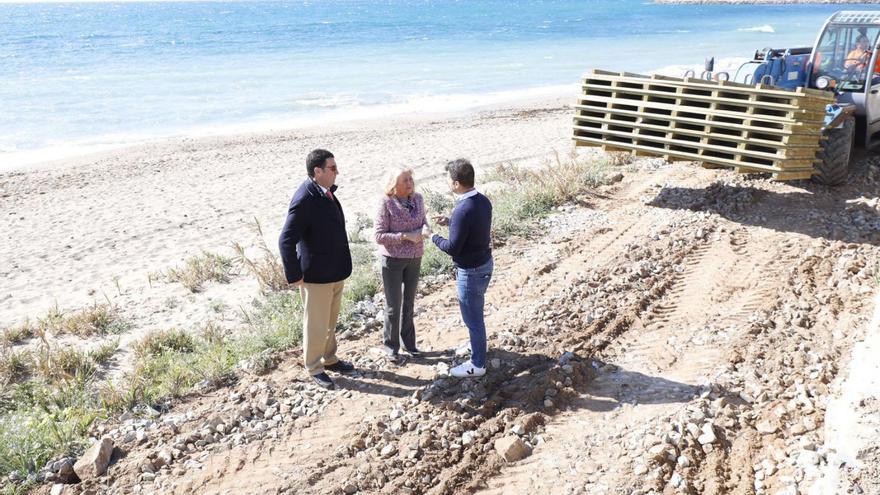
(467, 370)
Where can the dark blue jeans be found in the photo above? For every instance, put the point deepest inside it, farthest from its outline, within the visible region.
(472, 284)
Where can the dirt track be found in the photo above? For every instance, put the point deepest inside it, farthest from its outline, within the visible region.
(677, 332)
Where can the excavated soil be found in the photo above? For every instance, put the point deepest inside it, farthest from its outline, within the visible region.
(677, 331)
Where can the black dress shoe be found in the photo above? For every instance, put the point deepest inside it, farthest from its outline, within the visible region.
(340, 367)
(324, 381)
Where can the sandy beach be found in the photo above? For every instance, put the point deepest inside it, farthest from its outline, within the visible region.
(93, 228)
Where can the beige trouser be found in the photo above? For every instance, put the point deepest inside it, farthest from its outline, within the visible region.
(320, 311)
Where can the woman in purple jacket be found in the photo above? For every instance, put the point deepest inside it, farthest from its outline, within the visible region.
(399, 233)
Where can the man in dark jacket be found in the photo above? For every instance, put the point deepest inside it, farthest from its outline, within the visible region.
(470, 245)
(314, 251)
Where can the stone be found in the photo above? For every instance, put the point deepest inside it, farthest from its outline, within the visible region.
(512, 449)
(57, 489)
(64, 468)
(350, 489)
(766, 427)
(809, 424)
(468, 437)
(708, 435)
(518, 430)
(163, 458)
(388, 451)
(95, 460)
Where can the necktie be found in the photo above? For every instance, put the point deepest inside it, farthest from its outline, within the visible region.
(329, 194)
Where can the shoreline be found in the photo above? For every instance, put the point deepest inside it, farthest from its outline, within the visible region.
(439, 106)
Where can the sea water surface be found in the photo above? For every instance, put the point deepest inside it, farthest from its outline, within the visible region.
(76, 76)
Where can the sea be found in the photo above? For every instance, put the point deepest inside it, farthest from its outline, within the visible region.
(84, 76)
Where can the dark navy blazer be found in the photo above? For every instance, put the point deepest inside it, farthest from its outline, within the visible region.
(313, 242)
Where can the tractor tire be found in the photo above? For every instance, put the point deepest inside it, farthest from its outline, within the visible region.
(835, 154)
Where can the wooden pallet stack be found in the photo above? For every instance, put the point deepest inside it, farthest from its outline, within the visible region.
(719, 123)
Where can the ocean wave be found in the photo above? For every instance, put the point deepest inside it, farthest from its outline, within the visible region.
(766, 28)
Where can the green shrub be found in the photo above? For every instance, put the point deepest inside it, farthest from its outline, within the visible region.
(435, 262)
(438, 203)
(275, 323)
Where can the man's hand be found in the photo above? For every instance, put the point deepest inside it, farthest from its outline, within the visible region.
(297, 284)
(440, 220)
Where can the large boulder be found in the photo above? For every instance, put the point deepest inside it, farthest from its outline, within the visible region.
(95, 460)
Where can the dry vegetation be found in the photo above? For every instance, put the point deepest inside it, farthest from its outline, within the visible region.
(198, 270)
(98, 319)
(266, 268)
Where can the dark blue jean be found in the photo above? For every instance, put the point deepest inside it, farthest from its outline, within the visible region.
(472, 284)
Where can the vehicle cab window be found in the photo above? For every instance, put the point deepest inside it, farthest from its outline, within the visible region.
(844, 55)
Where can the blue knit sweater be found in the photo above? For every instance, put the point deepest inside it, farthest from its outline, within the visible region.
(469, 241)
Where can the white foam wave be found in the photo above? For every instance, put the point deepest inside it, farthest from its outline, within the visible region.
(766, 28)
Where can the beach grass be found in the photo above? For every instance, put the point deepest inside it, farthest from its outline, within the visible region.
(266, 268)
(198, 270)
(97, 319)
(531, 193)
(17, 334)
(15, 364)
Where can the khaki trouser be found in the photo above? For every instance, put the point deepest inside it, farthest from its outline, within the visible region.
(320, 311)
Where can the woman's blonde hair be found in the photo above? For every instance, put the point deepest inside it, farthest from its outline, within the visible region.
(391, 175)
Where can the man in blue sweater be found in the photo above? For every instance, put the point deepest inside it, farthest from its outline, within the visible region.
(314, 251)
(470, 246)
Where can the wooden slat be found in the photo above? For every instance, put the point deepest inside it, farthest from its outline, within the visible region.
(786, 130)
(751, 102)
(764, 89)
(792, 165)
(803, 116)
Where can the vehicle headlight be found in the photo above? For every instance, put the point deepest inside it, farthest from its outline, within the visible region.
(823, 82)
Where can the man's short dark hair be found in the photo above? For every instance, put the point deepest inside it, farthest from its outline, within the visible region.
(461, 171)
(317, 159)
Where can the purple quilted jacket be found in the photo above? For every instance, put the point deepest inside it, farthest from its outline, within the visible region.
(392, 219)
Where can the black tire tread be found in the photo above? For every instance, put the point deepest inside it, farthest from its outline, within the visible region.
(833, 168)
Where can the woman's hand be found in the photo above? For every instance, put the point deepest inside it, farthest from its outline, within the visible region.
(415, 236)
